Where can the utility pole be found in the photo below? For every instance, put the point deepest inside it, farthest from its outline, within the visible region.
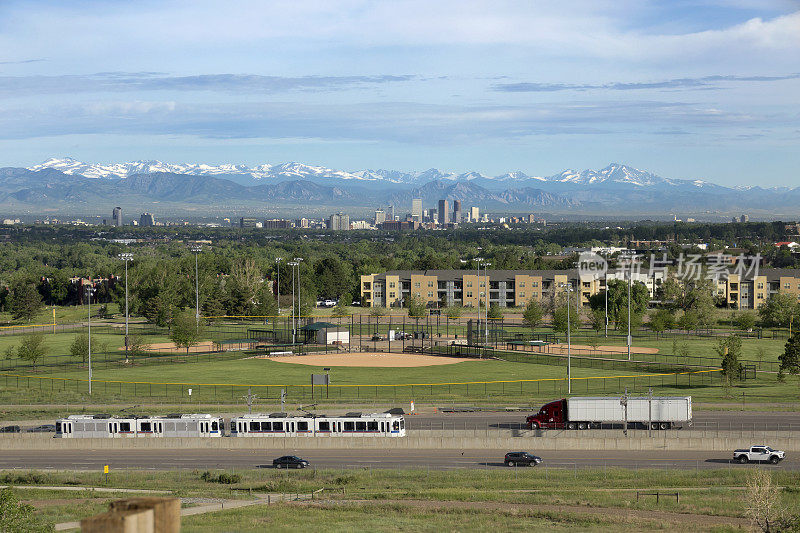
(126, 257)
(294, 327)
(650, 412)
(89, 292)
(278, 260)
(606, 291)
(486, 278)
(196, 249)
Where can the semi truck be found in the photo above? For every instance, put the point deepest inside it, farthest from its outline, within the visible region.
(592, 412)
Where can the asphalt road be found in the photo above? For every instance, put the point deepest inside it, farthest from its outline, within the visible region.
(348, 459)
(703, 420)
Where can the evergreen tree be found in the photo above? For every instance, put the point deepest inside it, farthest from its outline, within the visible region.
(790, 358)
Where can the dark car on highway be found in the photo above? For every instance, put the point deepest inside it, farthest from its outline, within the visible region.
(10, 429)
(289, 461)
(44, 428)
(521, 459)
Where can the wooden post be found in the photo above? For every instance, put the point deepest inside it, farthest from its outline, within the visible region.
(137, 515)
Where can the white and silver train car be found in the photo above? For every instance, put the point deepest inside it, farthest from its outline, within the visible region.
(103, 426)
(349, 425)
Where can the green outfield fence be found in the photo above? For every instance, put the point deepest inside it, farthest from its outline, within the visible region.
(222, 392)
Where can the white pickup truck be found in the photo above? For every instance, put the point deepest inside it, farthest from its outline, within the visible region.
(758, 454)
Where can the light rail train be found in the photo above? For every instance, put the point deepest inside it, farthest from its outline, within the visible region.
(251, 425)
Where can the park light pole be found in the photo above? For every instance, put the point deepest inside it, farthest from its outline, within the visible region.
(478, 288)
(630, 282)
(294, 329)
(298, 260)
(567, 289)
(278, 261)
(126, 256)
(605, 276)
(488, 299)
(89, 292)
(196, 249)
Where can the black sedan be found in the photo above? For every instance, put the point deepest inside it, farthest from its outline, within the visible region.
(44, 428)
(289, 461)
(10, 429)
(521, 459)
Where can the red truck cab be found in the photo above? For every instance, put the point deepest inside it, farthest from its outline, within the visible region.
(552, 415)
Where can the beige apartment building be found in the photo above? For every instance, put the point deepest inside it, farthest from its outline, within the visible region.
(514, 288)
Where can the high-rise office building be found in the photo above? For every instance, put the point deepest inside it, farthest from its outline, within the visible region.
(147, 220)
(116, 216)
(380, 216)
(339, 222)
(416, 209)
(456, 211)
(474, 214)
(443, 213)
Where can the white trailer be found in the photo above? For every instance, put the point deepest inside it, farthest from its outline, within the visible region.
(662, 411)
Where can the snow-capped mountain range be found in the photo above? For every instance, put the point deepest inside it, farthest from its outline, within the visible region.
(614, 173)
(68, 185)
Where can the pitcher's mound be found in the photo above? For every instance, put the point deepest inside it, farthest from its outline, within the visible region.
(369, 360)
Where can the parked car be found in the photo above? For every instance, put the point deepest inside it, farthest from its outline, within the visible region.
(10, 429)
(376, 338)
(44, 428)
(289, 461)
(330, 303)
(759, 454)
(521, 459)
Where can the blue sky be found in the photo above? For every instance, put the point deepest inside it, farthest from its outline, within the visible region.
(705, 90)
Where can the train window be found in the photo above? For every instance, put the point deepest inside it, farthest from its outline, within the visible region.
(125, 426)
(58, 427)
(145, 426)
(266, 426)
(302, 426)
(277, 426)
(349, 426)
(372, 426)
(395, 426)
(214, 426)
(324, 426)
(361, 426)
(402, 423)
(254, 426)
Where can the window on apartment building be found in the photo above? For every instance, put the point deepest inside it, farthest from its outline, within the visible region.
(760, 296)
(430, 295)
(391, 295)
(534, 295)
(760, 285)
(469, 294)
(418, 295)
(430, 284)
(416, 284)
(522, 295)
(787, 286)
(391, 285)
(586, 284)
(534, 284)
(367, 285)
(521, 284)
(469, 284)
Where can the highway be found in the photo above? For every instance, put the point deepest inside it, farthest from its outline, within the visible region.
(702, 420)
(191, 459)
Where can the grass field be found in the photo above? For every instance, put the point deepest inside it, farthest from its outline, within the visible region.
(539, 499)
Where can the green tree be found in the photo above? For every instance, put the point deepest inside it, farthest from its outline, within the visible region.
(416, 307)
(340, 310)
(694, 295)
(25, 302)
(560, 316)
(730, 349)
(80, 346)
(31, 348)
(186, 331)
(618, 301)
(744, 320)
(377, 311)
(790, 358)
(494, 312)
(662, 320)
(136, 346)
(597, 318)
(17, 516)
(779, 310)
(688, 321)
(533, 314)
(453, 312)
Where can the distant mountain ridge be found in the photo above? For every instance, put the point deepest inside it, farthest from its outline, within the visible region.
(617, 189)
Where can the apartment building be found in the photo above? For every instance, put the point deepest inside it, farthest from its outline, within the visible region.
(507, 288)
